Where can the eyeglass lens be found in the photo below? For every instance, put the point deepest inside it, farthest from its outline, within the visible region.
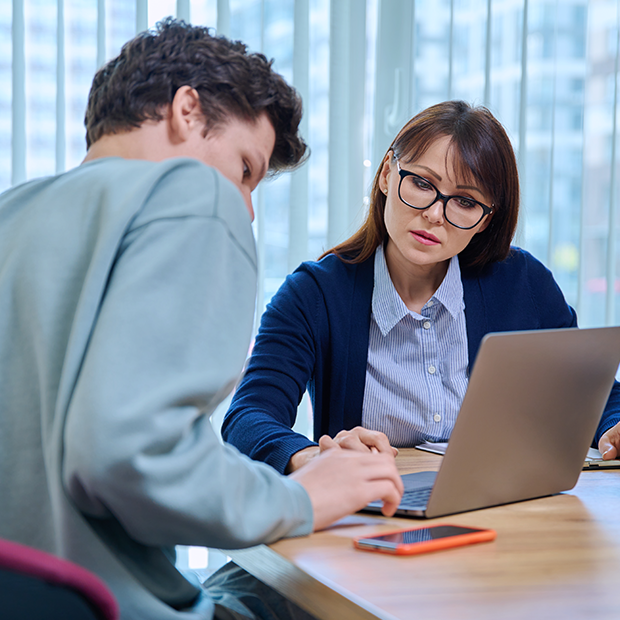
(420, 194)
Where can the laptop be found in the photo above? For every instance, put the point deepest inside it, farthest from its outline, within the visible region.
(532, 407)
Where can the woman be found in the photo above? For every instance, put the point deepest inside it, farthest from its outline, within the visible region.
(383, 329)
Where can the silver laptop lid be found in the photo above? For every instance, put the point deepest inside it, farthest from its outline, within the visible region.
(529, 415)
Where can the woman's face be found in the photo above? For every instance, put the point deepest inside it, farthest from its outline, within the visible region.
(425, 238)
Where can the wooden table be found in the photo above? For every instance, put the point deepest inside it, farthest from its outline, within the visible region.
(556, 557)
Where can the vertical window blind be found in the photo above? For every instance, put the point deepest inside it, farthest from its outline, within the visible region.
(548, 69)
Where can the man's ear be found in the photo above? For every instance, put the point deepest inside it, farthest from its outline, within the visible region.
(185, 114)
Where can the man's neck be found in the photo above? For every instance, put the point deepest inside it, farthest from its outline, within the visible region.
(149, 141)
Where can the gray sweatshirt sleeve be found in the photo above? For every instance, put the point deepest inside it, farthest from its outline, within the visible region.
(168, 344)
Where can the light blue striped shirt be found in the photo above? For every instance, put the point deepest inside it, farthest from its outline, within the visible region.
(416, 375)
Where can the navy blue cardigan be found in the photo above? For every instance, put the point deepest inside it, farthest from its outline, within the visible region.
(314, 334)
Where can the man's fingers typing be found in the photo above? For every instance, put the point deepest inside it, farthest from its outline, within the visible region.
(340, 482)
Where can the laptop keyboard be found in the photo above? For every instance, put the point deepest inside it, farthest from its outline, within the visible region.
(416, 497)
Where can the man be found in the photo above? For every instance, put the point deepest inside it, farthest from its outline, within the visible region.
(127, 289)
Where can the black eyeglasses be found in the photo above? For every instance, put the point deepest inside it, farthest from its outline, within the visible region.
(460, 211)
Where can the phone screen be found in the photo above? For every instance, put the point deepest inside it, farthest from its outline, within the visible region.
(424, 539)
(423, 534)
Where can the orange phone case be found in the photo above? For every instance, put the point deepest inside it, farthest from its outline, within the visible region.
(458, 540)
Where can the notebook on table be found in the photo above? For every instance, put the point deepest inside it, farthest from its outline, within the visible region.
(534, 401)
(594, 459)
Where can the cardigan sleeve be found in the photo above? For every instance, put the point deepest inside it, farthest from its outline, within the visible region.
(611, 415)
(555, 312)
(264, 407)
(522, 294)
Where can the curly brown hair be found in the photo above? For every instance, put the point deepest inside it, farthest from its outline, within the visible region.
(142, 80)
(482, 152)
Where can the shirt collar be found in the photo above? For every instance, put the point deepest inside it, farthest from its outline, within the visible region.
(389, 309)
(450, 291)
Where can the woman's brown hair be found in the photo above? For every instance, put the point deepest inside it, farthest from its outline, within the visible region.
(483, 152)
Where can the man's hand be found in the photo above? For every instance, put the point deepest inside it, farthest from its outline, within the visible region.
(340, 482)
(359, 439)
(609, 444)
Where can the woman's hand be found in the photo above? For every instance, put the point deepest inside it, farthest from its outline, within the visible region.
(358, 439)
(609, 444)
(364, 440)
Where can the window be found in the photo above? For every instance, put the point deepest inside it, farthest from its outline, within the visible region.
(364, 69)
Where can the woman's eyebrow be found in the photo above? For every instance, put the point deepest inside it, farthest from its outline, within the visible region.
(438, 177)
(431, 172)
(472, 187)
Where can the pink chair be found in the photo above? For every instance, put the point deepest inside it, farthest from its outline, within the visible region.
(35, 585)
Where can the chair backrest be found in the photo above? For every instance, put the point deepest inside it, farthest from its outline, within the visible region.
(37, 585)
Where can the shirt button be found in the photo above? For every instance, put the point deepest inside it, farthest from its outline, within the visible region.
(432, 370)
(437, 417)
(426, 324)
(429, 303)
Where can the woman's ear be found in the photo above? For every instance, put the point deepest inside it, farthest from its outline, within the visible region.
(384, 176)
(485, 223)
(185, 115)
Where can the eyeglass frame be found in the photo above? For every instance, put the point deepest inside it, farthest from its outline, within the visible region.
(442, 197)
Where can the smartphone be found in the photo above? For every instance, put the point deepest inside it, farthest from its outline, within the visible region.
(424, 539)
